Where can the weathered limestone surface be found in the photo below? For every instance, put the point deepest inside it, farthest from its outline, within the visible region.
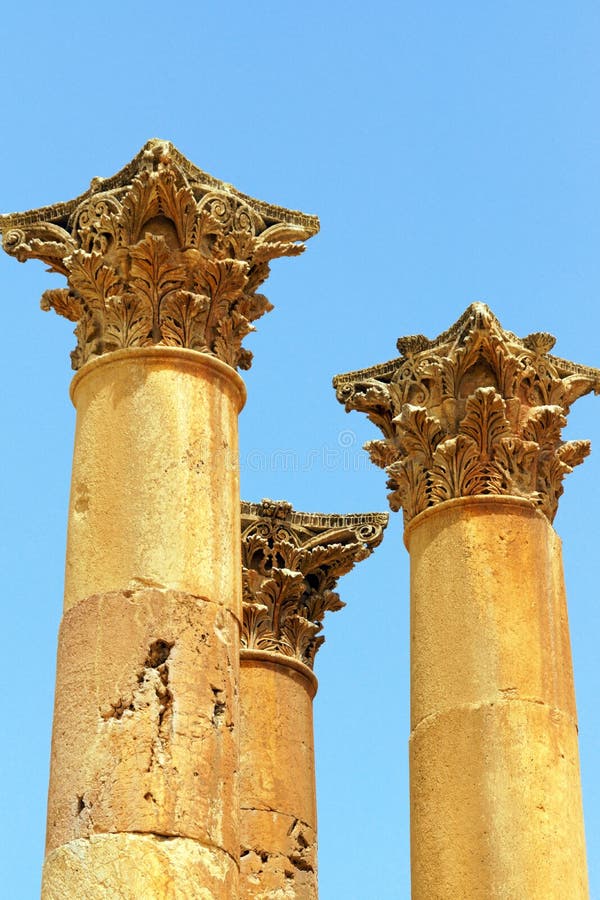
(155, 485)
(504, 616)
(278, 834)
(291, 563)
(145, 726)
(136, 866)
(495, 789)
(145, 736)
(472, 444)
(163, 265)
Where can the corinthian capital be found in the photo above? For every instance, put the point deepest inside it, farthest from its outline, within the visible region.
(475, 411)
(291, 564)
(159, 254)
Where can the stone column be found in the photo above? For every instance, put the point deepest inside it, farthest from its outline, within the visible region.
(472, 446)
(162, 263)
(291, 563)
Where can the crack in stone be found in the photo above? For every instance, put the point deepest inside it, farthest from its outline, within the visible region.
(219, 707)
(300, 863)
(299, 859)
(503, 701)
(156, 660)
(152, 693)
(83, 805)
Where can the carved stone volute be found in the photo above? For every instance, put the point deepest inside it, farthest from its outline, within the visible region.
(291, 564)
(159, 254)
(477, 411)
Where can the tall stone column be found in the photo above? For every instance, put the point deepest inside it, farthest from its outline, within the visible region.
(472, 446)
(163, 263)
(291, 563)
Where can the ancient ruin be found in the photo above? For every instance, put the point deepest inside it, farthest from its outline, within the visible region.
(182, 752)
(472, 446)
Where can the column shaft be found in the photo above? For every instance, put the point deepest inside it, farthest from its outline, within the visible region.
(495, 790)
(143, 798)
(278, 823)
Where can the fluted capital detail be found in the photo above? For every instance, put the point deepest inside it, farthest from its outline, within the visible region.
(291, 563)
(159, 254)
(475, 411)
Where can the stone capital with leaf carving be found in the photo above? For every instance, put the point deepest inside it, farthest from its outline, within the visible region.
(477, 411)
(159, 254)
(291, 563)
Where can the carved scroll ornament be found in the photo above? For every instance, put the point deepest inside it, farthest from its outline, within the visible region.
(291, 564)
(159, 254)
(475, 411)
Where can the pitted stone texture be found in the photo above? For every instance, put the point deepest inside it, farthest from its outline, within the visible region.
(496, 805)
(145, 726)
(155, 498)
(278, 819)
(489, 615)
(278, 857)
(138, 867)
(277, 748)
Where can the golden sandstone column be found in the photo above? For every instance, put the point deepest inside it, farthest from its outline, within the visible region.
(162, 263)
(472, 445)
(291, 561)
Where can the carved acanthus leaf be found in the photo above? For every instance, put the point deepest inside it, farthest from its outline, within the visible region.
(127, 323)
(291, 563)
(409, 486)
(183, 320)
(299, 639)
(164, 243)
(320, 602)
(63, 302)
(517, 462)
(573, 453)
(93, 280)
(482, 413)
(257, 630)
(544, 426)
(419, 435)
(228, 343)
(456, 470)
(179, 207)
(484, 421)
(382, 453)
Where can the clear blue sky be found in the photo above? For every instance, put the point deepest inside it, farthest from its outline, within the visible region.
(452, 152)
